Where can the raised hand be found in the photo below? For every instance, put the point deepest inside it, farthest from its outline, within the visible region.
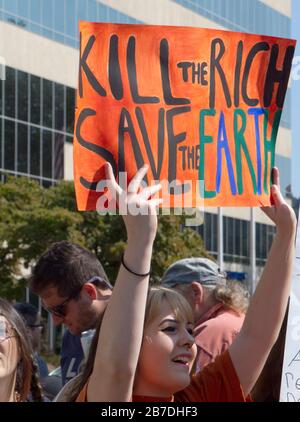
(280, 213)
(114, 366)
(135, 204)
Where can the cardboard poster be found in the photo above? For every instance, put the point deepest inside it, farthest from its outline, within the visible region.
(202, 107)
(290, 380)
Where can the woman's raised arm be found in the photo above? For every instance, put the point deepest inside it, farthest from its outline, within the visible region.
(268, 304)
(122, 326)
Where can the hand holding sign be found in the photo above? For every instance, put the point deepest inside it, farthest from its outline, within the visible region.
(280, 213)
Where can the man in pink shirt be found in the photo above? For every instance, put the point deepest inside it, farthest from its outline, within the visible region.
(219, 306)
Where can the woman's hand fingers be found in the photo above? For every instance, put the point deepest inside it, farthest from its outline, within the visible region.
(276, 195)
(112, 181)
(280, 212)
(155, 202)
(135, 183)
(275, 177)
(149, 191)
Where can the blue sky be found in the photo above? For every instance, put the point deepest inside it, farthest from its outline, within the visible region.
(296, 103)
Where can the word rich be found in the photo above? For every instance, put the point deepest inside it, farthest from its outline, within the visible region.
(240, 83)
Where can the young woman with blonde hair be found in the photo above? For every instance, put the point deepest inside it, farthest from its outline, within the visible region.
(152, 362)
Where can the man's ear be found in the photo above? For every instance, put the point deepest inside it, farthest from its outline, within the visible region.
(198, 292)
(90, 290)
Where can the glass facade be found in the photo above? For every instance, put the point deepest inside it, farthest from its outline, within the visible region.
(58, 19)
(36, 121)
(242, 15)
(236, 235)
(36, 114)
(264, 238)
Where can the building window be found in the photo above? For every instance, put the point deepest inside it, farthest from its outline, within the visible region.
(59, 94)
(1, 93)
(59, 16)
(22, 163)
(35, 99)
(1, 144)
(236, 240)
(35, 11)
(47, 154)
(208, 232)
(34, 136)
(35, 151)
(11, 6)
(70, 19)
(10, 92)
(70, 109)
(245, 236)
(9, 145)
(47, 13)
(59, 142)
(264, 235)
(22, 96)
(47, 103)
(58, 19)
(236, 237)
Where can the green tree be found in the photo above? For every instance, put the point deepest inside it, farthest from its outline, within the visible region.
(32, 218)
(28, 225)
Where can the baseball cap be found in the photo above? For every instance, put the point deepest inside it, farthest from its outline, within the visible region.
(185, 271)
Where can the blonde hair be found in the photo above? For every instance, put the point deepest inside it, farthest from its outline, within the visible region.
(156, 295)
(179, 305)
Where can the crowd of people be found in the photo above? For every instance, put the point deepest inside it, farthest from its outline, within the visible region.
(193, 337)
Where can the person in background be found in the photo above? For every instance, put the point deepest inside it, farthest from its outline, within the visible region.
(74, 351)
(219, 306)
(75, 289)
(30, 315)
(18, 370)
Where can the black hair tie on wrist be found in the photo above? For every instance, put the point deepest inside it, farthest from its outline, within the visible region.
(132, 272)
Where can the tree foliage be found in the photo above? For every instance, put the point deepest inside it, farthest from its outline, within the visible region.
(32, 218)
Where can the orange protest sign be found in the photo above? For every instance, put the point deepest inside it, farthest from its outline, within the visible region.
(195, 104)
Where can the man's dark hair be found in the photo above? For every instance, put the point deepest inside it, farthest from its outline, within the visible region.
(67, 267)
(28, 312)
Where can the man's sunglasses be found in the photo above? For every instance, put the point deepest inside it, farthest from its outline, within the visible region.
(60, 310)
